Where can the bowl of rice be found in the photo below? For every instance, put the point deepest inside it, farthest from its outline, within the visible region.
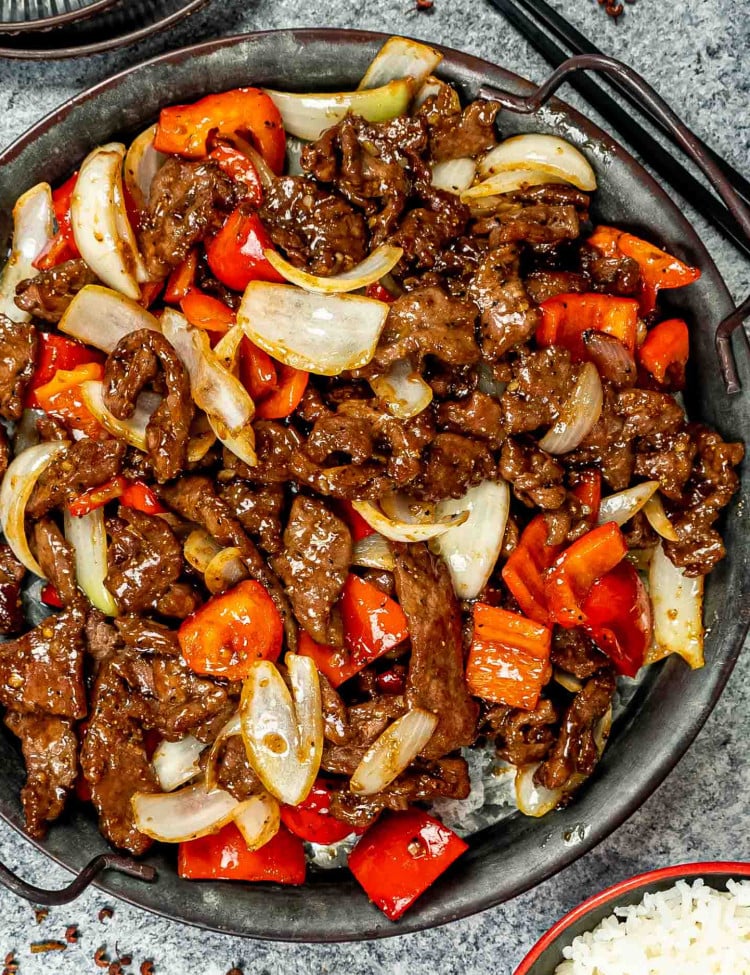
(690, 919)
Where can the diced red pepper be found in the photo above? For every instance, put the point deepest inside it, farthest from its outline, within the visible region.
(357, 524)
(51, 597)
(230, 631)
(392, 681)
(373, 624)
(150, 291)
(64, 379)
(140, 496)
(97, 497)
(618, 614)
(56, 352)
(570, 579)
(523, 572)
(311, 820)
(566, 317)
(241, 169)
(400, 856)
(61, 397)
(257, 370)
(508, 660)
(284, 400)
(588, 490)
(666, 350)
(62, 247)
(206, 312)
(236, 254)
(184, 129)
(379, 292)
(181, 280)
(225, 856)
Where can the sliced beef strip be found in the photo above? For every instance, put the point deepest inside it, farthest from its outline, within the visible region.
(102, 639)
(144, 559)
(451, 465)
(523, 736)
(234, 773)
(647, 413)
(189, 201)
(85, 464)
(11, 577)
(541, 285)
(364, 723)
(335, 717)
(314, 566)
(454, 135)
(606, 447)
(258, 508)
(545, 215)
(436, 667)
(614, 275)
(576, 653)
(536, 477)
(50, 752)
(42, 671)
(48, 294)
(341, 435)
(668, 459)
(426, 232)
(5, 452)
(17, 363)
(274, 443)
(477, 415)
(134, 363)
(508, 317)
(542, 381)
(146, 636)
(57, 560)
(189, 704)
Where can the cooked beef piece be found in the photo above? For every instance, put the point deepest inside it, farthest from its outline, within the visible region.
(436, 667)
(647, 413)
(541, 383)
(447, 778)
(614, 362)
(477, 415)
(451, 465)
(274, 444)
(536, 477)
(508, 317)
(11, 577)
(17, 364)
(49, 293)
(615, 275)
(144, 557)
(576, 653)
(85, 464)
(102, 638)
(406, 441)
(340, 435)
(712, 484)
(134, 363)
(350, 481)
(335, 718)
(50, 429)
(638, 532)
(50, 752)
(205, 280)
(541, 285)
(381, 579)
(314, 566)
(538, 215)
(426, 232)
(575, 749)
(365, 723)
(455, 134)
(568, 522)
(258, 508)
(57, 560)
(178, 602)
(312, 406)
(425, 322)
(523, 736)
(43, 669)
(189, 201)
(234, 773)
(316, 230)
(666, 458)
(5, 453)
(195, 499)
(605, 447)
(148, 637)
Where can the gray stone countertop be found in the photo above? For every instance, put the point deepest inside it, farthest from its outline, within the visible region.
(696, 54)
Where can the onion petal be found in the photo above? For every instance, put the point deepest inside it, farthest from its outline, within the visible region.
(177, 817)
(177, 762)
(501, 183)
(543, 153)
(88, 536)
(101, 317)
(373, 552)
(402, 390)
(432, 87)
(405, 531)
(578, 415)
(142, 163)
(224, 571)
(200, 548)
(400, 57)
(621, 507)
(33, 217)
(454, 175)
(231, 728)
(258, 819)
(532, 799)
(393, 751)
(677, 604)
(382, 260)
(132, 429)
(18, 483)
(656, 516)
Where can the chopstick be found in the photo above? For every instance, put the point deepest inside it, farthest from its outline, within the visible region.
(671, 171)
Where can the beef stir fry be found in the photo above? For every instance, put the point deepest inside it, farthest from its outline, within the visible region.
(343, 442)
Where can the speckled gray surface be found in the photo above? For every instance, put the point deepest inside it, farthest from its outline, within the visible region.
(695, 53)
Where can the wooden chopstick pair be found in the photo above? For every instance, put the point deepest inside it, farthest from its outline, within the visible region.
(532, 18)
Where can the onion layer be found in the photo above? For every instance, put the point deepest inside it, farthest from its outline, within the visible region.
(177, 762)
(225, 570)
(19, 482)
(88, 536)
(677, 604)
(406, 531)
(505, 182)
(133, 429)
(373, 552)
(621, 507)
(393, 751)
(32, 230)
(258, 819)
(200, 548)
(656, 516)
(578, 415)
(401, 58)
(142, 163)
(323, 334)
(178, 817)
(403, 390)
(548, 154)
(380, 262)
(454, 175)
(101, 317)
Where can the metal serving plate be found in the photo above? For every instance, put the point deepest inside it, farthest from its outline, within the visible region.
(667, 709)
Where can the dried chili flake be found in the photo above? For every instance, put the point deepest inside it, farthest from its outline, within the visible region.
(106, 914)
(115, 968)
(124, 959)
(101, 959)
(41, 914)
(235, 971)
(40, 947)
(147, 968)
(71, 934)
(425, 4)
(11, 965)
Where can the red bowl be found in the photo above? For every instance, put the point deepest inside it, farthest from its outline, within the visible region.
(547, 953)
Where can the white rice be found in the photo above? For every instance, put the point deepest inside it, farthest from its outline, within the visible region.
(690, 929)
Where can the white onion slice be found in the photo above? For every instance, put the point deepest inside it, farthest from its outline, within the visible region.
(177, 762)
(231, 728)
(309, 115)
(33, 218)
(401, 58)
(677, 604)
(621, 507)
(433, 86)
(88, 536)
(656, 516)
(225, 570)
(545, 153)
(406, 531)
(258, 819)
(200, 548)
(393, 751)
(578, 415)
(403, 390)
(101, 317)
(101, 228)
(569, 681)
(472, 549)
(18, 484)
(373, 552)
(380, 262)
(323, 334)
(142, 163)
(132, 429)
(504, 182)
(532, 799)
(454, 175)
(178, 817)
(283, 732)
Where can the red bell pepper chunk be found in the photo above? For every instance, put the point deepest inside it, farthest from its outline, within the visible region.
(566, 317)
(285, 399)
(257, 370)
(61, 397)
(523, 572)
(508, 660)
(56, 352)
(230, 631)
(618, 615)
(373, 624)
(62, 247)
(357, 524)
(666, 350)
(181, 279)
(150, 291)
(97, 497)
(311, 820)
(206, 312)
(236, 255)
(225, 856)
(51, 597)
(185, 129)
(380, 293)
(140, 496)
(570, 579)
(588, 490)
(241, 169)
(400, 856)
(392, 681)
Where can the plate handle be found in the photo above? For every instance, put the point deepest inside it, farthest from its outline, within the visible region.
(54, 898)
